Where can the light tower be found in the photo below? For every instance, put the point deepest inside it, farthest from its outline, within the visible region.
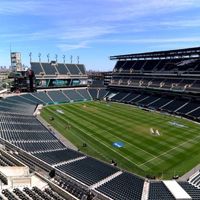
(64, 59)
(48, 57)
(30, 55)
(78, 58)
(39, 56)
(71, 59)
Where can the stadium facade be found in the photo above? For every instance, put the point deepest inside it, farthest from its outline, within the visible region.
(58, 75)
(167, 81)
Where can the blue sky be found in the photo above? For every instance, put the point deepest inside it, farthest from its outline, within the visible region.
(96, 29)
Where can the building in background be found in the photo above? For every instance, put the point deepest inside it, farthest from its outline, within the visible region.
(16, 63)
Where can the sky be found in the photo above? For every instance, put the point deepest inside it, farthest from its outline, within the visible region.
(95, 29)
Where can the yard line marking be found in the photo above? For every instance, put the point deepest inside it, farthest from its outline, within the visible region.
(170, 150)
(127, 142)
(107, 131)
(101, 142)
(78, 137)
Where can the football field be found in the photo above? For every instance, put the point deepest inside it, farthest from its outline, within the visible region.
(143, 142)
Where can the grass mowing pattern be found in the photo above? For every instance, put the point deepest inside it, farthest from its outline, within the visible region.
(99, 124)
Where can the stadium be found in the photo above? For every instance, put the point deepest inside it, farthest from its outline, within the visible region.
(137, 138)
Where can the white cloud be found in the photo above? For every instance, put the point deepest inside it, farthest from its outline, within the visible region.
(150, 40)
(84, 32)
(68, 47)
(184, 23)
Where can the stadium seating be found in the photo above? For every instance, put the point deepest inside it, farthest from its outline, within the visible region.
(32, 99)
(175, 104)
(36, 67)
(62, 69)
(168, 85)
(102, 94)
(49, 69)
(130, 97)
(81, 68)
(73, 69)
(118, 97)
(54, 157)
(7, 106)
(73, 188)
(73, 95)
(38, 146)
(191, 190)
(88, 170)
(124, 187)
(158, 191)
(57, 96)
(5, 161)
(93, 93)
(84, 93)
(195, 180)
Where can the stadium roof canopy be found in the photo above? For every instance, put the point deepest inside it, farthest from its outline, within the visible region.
(180, 53)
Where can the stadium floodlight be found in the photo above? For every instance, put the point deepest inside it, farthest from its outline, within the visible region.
(30, 55)
(56, 57)
(78, 58)
(39, 56)
(63, 58)
(71, 59)
(48, 55)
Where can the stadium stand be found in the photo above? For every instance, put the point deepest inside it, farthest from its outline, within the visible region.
(58, 75)
(44, 97)
(195, 179)
(62, 69)
(37, 68)
(24, 131)
(59, 68)
(49, 68)
(154, 81)
(125, 187)
(158, 191)
(88, 170)
(73, 95)
(84, 93)
(58, 156)
(102, 94)
(57, 96)
(73, 188)
(93, 93)
(191, 190)
(73, 69)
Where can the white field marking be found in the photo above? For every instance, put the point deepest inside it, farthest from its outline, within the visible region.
(108, 146)
(90, 146)
(154, 157)
(79, 138)
(164, 152)
(127, 142)
(105, 145)
(107, 131)
(170, 150)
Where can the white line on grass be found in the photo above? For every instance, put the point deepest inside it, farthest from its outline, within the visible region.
(127, 142)
(107, 131)
(107, 146)
(192, 139)
(102, 143)
(79, 138)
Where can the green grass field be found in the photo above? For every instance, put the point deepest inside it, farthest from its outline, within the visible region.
(99, 124)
